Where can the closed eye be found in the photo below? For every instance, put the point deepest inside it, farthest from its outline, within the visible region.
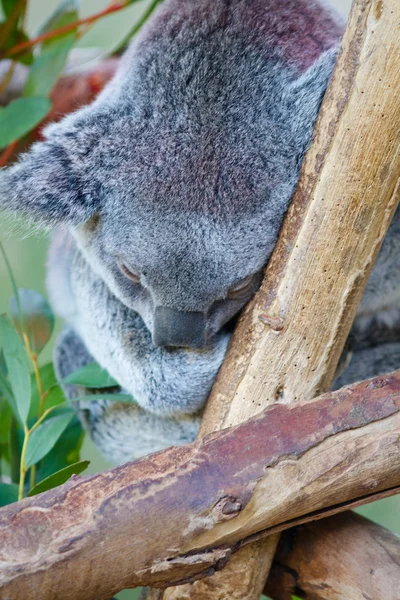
(129, 274)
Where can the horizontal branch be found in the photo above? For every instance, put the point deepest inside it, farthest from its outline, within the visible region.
(218, 493)
(345, 556)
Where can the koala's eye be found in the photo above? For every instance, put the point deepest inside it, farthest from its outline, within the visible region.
(128, 273)
(242, 288)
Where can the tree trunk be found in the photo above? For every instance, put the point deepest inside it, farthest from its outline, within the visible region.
(288, 342)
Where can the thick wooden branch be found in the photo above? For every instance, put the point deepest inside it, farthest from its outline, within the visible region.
(287, 345)
(178, 514)
(345, 556)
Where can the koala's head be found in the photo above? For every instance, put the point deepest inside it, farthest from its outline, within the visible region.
(176, 180)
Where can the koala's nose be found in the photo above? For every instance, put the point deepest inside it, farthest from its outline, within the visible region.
(179, 328)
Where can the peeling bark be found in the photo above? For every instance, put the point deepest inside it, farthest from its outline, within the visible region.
(96, 535)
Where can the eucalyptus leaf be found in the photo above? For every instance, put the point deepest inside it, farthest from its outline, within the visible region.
(15, 37)
(21, 116)
(17, 366)
(8, 493)
(8, 6)
(5, 421)
(44, 437)
(59, 478)
(38, 317)
(65, 452)
(92, 376)
(53, 54)
(64, 10)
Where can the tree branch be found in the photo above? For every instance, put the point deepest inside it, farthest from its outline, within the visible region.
(208, 498)
(345, 556)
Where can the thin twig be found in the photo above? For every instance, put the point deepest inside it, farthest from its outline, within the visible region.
(7, 77)
(18, 48)
(7, 153)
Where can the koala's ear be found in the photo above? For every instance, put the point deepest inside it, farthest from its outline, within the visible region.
(303, 97)
(43, 187)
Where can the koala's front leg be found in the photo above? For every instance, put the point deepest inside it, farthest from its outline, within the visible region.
(164, 381)
(120, 430)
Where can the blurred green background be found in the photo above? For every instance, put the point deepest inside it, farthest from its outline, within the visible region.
(28, 254)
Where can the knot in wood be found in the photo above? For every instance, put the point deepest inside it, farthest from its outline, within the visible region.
(275, 323)
(378, 382)
(227, 508)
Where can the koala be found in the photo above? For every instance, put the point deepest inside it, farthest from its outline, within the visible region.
(166, 196)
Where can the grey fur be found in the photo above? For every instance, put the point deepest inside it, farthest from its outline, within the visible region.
(182, 170)
(121, 431)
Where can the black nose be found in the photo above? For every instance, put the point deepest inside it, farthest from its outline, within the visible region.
(179, 328)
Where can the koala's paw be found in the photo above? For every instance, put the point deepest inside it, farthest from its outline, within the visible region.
(120, 430)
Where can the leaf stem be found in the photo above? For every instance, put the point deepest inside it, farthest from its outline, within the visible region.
(7, 153)
(7, 77)
(18, 9)
(22, 468)
(140, 23)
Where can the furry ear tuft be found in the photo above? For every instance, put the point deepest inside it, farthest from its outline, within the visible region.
(44, 188)
(305, 94)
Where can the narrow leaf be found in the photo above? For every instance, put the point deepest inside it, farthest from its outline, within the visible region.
(8, 493)
(65, 452)
(91, 375)
(8, 6)
(38, 317)
(13, 38)
(59, 478)
(49, 63)
(17, 366)
(43, 438)
(20, 116)
(13, 283)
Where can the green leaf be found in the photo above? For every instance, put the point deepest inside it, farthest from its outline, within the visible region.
(49, 63)
(12, 281)
(62, 15)
(14, 37)
(5, 425)
(91, 375)
(8, 493)
(15, 440)
(65, 452)
(5, 421)
(20, 116)
(115, 397)
(17, 367)
(43, 438)
(38, 317)
(8, 6)
(59, 478)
